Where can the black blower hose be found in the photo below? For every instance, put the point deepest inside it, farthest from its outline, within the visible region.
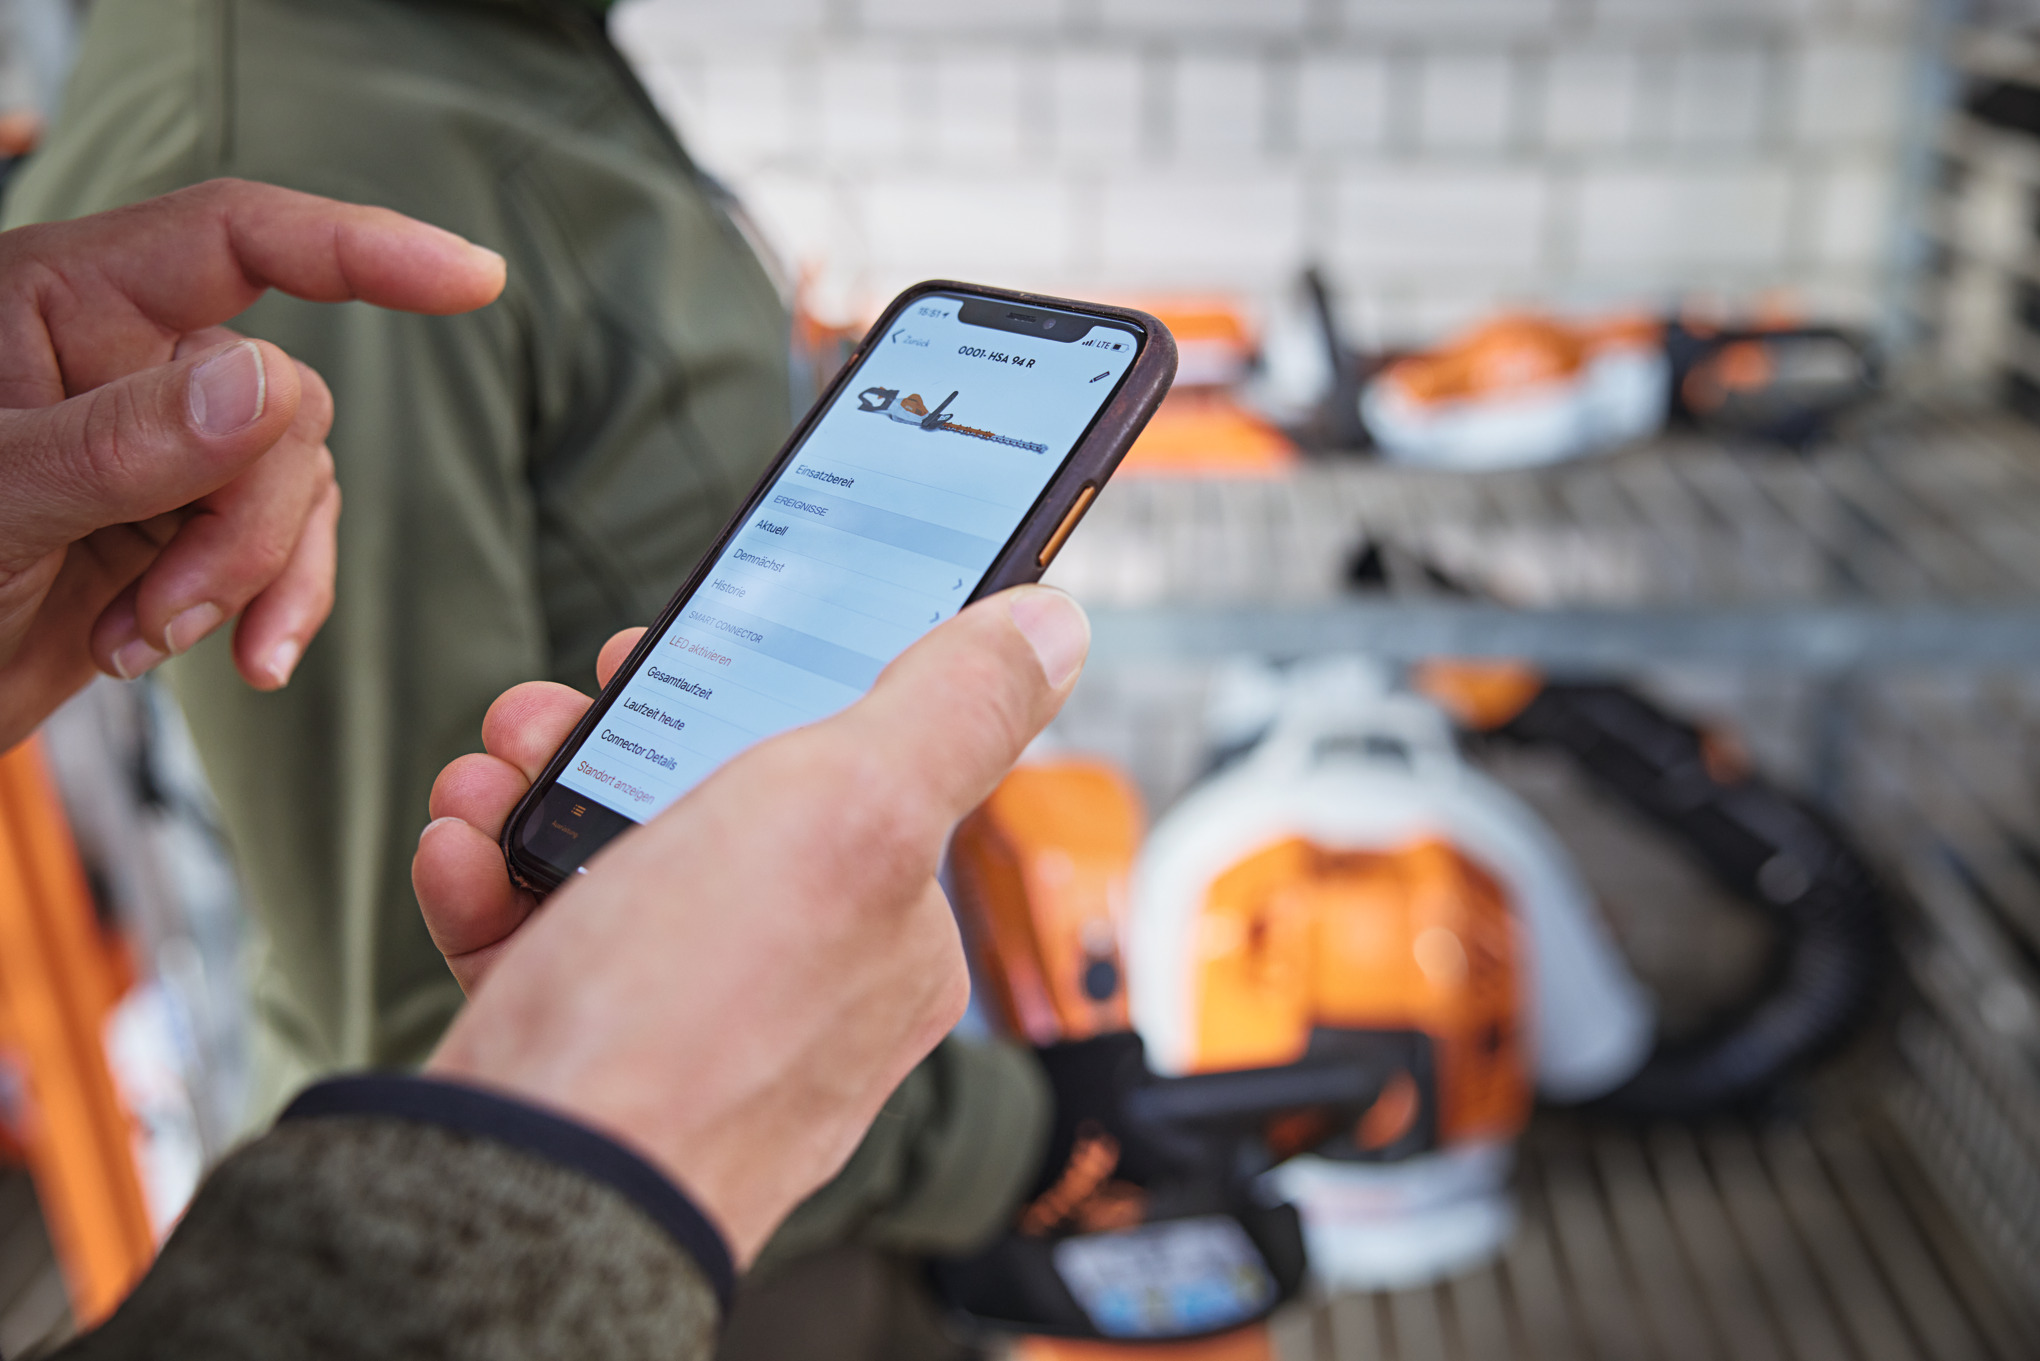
(1766, 846)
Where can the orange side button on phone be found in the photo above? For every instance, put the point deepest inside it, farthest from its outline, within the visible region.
(1069, 522)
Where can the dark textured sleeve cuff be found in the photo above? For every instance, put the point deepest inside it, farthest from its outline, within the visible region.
(540, 1133)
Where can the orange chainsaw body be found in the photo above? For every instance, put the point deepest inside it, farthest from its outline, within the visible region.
(1046, 862)
(1513, 352)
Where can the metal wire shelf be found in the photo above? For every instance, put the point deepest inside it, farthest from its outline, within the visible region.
(1916, 540)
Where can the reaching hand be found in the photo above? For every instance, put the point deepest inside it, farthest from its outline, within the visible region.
(160, 475)
(736, 986)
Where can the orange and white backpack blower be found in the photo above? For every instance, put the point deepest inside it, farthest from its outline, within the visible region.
(1393, 945)
(1350, 873)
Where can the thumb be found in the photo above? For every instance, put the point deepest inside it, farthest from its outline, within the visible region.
(143, 444)
(959, 706)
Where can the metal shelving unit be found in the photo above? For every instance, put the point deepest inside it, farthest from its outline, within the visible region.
(1916, 541)
(1867, 617)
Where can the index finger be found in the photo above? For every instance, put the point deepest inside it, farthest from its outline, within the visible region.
(202, 255)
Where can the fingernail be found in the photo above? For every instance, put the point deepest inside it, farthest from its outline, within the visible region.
(283, 660)
(134, 658)
(183, 632)
(228, 390)
(1056, 627)
(430, 825)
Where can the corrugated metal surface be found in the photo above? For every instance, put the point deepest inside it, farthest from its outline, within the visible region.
(1796, 1241)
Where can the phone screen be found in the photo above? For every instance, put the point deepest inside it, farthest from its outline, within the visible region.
(879, 526)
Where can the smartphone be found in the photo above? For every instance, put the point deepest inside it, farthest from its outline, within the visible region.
(950, 458)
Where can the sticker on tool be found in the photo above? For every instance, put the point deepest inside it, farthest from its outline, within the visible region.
(1177, 1277)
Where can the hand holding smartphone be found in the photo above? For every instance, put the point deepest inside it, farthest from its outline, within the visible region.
(950, 459)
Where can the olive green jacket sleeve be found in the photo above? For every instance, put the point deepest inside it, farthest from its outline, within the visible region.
(383, 1239)
(944, 1166)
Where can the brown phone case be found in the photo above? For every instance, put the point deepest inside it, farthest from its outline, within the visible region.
(1041, 533)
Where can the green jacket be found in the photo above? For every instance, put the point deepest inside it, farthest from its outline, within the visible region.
(519, 483)
(375, 1239)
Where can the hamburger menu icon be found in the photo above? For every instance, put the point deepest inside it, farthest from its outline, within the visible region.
(912, 410)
